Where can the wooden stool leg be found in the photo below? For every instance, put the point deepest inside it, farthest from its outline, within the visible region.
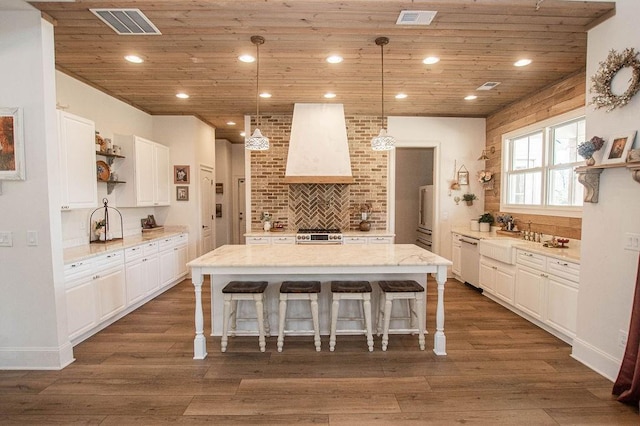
(234, 316)
(334, 322)
(259, 314)
(316, 322)
(387, 321)
(367, 319)
(281, 321)
(421, 319)
(380, 319)
(226, 317)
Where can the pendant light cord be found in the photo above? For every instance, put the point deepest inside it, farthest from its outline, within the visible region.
(257, 85)
(382, 80)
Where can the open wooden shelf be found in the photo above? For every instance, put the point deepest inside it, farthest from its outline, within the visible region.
(589, 176)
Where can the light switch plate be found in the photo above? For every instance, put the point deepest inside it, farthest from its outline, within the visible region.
(632, 241)
(6, 239)
(32, 238)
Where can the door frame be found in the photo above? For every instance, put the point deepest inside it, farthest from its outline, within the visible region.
(200, 201)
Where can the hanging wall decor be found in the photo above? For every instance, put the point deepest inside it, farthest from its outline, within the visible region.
(11, 144)
(601, 81)
(463, 175)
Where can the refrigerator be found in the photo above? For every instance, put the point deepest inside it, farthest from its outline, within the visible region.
(424, 232)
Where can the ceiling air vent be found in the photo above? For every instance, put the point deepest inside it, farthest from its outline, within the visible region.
(127, 21)
(488, 85)
(416, 17)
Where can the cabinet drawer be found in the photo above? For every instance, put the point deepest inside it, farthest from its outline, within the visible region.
(258, 240)
(564, 269)
(182, 239)
(533, 260)
(166, 243)
(380, 240)
(133, 253)
(77, 270)
(110, 260)
(283, 240)
(150, 248)
(355, 240)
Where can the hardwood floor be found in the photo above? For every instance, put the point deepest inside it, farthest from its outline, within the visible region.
(500, 369)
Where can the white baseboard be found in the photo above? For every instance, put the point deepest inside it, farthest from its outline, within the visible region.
(597, 360)
(36, 358)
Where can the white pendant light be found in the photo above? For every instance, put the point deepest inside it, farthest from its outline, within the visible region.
(257, 142)
(382, 142)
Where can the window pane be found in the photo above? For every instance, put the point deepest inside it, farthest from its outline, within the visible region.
(560, 187)
(566, 138)
(527, 152)
(525, 188)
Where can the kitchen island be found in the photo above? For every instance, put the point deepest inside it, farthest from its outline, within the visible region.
(274, 263)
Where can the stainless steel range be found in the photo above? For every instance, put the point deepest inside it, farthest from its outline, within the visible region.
(319, 236)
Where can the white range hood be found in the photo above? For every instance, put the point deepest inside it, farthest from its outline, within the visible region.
(318, 148)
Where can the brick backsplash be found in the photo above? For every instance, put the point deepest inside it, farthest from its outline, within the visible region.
(323, 205)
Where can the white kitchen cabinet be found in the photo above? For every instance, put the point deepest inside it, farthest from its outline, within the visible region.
(109, 283)
(257, 240)
(498, 278)
(287, 239)
(77, 157)
(530, 291)
(80, 296)
(263, 240)
(562, 304)
(146, 171)
(380, 240)
(142, 275)
(354, 240)
(456, 255)
(173, 259)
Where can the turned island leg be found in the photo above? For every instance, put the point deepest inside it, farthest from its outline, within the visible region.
(199, 343)
(439, 339)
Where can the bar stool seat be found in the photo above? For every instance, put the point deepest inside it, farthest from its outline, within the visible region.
(351, 290)
(299, 290)
(402, 290)
(237, 291)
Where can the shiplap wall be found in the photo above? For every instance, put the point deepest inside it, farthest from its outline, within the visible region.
(557, 99)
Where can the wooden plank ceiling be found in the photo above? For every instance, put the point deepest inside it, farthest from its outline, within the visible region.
(477, 40)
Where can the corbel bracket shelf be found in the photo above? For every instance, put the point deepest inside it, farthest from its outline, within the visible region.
(589, 177)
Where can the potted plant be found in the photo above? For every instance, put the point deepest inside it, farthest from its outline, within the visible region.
(485, 222)
(468, 198)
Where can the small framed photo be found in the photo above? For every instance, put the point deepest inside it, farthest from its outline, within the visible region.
(463, 177)
(182, 193)
(181, 174)
(11, 144)
(218, 210)
(618, 148)
(219, 188)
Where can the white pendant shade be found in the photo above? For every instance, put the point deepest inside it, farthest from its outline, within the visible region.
(383, 142)
(257, 142)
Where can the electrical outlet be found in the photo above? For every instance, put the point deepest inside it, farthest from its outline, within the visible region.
(622, 339)
(632, 241)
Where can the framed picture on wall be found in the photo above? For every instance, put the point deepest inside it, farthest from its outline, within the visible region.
(618, 148)
(181, 174)
(463, 177)
(11, 144)
(182, 193)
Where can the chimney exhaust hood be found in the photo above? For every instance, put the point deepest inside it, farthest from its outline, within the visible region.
(318, 147)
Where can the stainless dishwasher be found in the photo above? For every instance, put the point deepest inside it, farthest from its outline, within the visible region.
(470, 261)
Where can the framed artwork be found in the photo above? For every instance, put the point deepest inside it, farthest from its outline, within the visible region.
(11, 144)
(219, 188)
(463, 177)
(618, 148)
(182, 193)
(218, 210)
(181, 174)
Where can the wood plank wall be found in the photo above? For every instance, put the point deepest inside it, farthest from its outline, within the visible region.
(557, 99)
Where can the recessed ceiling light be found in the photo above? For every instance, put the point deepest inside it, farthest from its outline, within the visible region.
(265, 95)
(334, 59)
(470, 97)
(329, 95)
(243, 134)
(246, 58)
(401, 96)
(134, 59)
(182, 95)
(231, 123)
(430, 60)
(522, 62)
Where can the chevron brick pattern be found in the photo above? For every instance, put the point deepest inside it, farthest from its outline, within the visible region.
(319, 205)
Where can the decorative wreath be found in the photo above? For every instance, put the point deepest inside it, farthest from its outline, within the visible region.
(601, 81)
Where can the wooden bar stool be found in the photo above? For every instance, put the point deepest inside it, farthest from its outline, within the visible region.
(402, 290)
(237, 291)
(299, 290)
(351, 290)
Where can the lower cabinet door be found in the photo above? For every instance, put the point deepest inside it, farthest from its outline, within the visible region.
(167, 266)
(111, 290)
(487, 277)
(562, 305)
(135, 275)
(152, 273)
(505, 285)
(181, 260)
(529, 291)
(81, 309)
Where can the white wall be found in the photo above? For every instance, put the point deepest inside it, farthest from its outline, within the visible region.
(32, 306)
(454, 139)
(608, 272)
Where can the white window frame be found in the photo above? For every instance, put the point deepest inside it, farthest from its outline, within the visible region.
(544, 209)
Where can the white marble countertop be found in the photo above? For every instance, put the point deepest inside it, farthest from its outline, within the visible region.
(336, 256)
(571, 253)
(74, 254)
